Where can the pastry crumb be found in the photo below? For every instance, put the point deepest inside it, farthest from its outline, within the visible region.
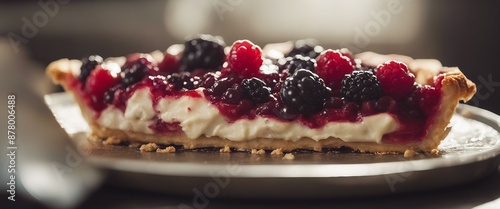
(111, 141)
(258, 152)
(435, 151)
(226, 149)
(409, 153)
(169, 149)
(151, 147)
(277, 152)
(288, 156)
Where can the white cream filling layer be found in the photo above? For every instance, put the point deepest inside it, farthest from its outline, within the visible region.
(198, 117)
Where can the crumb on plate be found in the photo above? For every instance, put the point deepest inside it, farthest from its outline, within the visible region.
(258, 152)
(169, 149)
(409, 153)
(150, 147)
(288, 156)
(225, 149)
(277, 152)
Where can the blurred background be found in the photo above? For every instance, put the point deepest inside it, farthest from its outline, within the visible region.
(33, 33)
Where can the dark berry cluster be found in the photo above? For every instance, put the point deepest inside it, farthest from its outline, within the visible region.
(361, 86)
(183, 81)
(306, 48)
(88, 64)
(135, 71)
(304, 91)
(204, 52)
(256, 90)
(301, 62)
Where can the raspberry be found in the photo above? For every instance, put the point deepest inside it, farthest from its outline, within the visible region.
(205, 52)
(304, 91)
(98, 82)
(332, 66)
(428, 98)
(348, 54)
(245, 58)
(256, 90)
(88, 64)
(169, 64)
(301, 62)
(361, 86)
(395, 78)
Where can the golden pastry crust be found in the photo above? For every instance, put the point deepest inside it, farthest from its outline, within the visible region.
(455, 87)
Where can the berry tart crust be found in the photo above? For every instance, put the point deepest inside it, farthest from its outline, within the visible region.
(455, 87)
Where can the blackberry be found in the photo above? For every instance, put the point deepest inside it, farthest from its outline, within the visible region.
(208, 80)
(361, 86)
(220, 86)
(304, 91)
(232, 96)
(135, 71)
(307, 48)
(88, 64)
(205, 52)
(256, 90)
(301, 62)
(175, 80)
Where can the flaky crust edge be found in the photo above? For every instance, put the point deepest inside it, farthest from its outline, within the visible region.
(455, 87)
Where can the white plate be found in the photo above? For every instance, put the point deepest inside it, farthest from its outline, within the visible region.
(471, 151)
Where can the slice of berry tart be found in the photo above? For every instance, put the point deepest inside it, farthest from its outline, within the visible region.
(287, 96)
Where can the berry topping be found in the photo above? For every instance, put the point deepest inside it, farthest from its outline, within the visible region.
(183, 81)
(427, 97)
(271, 80)
(256, 90)
(208, 80)
(334, 102)
(306, 48)
(348, 54)
(220, 86)
(304, 91)
(205, 52)
(386, 104)
(88, 64)
(98, 82)
(395, 78)
(332, 66)
(232, 96)
(361, 86)
(245, 59)
(169, 64)
(301, 62)
(135, 71)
